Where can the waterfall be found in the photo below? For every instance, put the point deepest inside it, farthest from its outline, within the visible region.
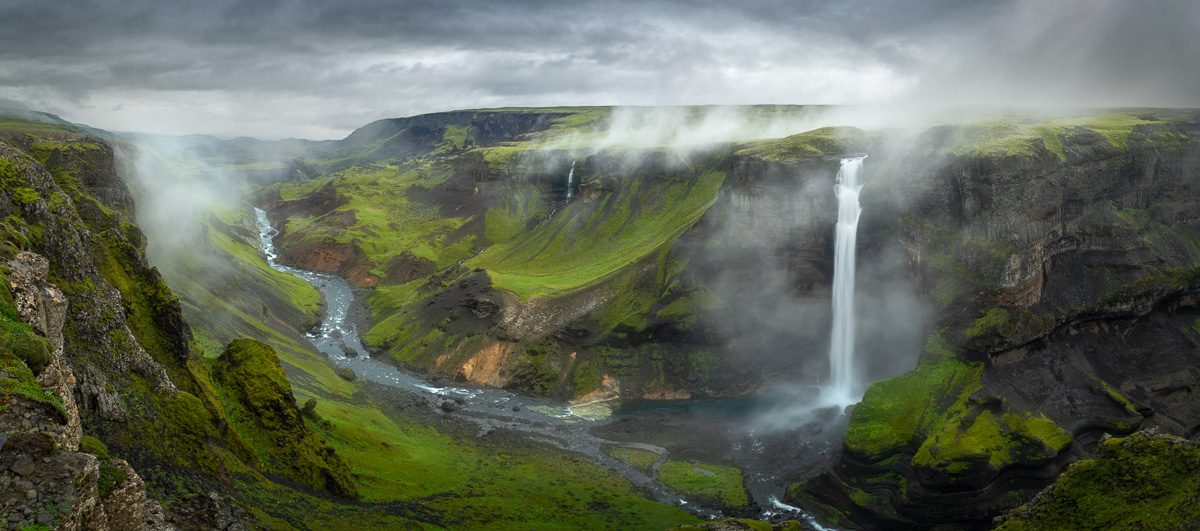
(842, 385)
(571, 181)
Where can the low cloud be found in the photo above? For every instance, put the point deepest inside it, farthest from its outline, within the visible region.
(311, 69)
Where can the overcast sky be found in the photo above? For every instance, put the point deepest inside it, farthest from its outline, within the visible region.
(314, 69)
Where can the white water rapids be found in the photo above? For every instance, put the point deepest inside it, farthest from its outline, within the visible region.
(843, 387)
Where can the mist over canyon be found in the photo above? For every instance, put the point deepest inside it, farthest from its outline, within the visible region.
(603, 265)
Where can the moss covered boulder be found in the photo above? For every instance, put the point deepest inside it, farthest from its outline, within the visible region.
(259, 402)
(1144, 481)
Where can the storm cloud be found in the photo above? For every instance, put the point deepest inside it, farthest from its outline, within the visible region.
(319, 69)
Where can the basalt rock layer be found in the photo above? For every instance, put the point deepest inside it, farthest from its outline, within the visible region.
(1065, 290)
(1046, 264)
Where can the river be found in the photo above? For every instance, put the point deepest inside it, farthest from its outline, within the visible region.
(556, 423)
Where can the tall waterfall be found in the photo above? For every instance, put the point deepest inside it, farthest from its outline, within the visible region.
(842, 385)
(571, 181)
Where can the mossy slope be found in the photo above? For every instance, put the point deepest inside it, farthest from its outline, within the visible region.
(1012, 383)
(258, 402)
(1144, 481)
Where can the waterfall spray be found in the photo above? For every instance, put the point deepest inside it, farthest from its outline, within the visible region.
(842, 385)
(571, 181)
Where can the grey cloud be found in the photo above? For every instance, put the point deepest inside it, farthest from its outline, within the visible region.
(285, 68)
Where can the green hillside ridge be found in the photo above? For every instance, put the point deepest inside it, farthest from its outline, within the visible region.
(944, 427)
(463, 207)
(1143, 481)
(258, 399)
(423, 208)
(392, 459)
(182, 442)
(588, 242)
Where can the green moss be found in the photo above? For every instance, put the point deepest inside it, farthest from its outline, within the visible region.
(998, 139)
(630, 308)
(588, 241)
(1155, 282)
(258, 401)
(678, 308)
(510, 220)
(709, 484)
(29, 347)
(22, 383)
(1119, 398)
(94, 446)
(23, 354)
(1137, 218)
(637, 458)
(954, 447)
(992, 320)
(12, 181)
(535, 373)
(823, 142)
(586, 378)
(456, 135)
(1009, 325)
(937, 348)
(898, 412)
(1139, 482)
(382, 214)
(111, 475)
(177, 428)
(1039, 428)
(968, 437)
(743, 523)
(475, 483)
(861, 497)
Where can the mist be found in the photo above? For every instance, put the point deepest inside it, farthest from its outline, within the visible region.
(176, 190)
(168, 69)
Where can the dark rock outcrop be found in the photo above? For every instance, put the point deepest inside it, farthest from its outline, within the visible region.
(1070, 281)
(98, 336)
(54, 482)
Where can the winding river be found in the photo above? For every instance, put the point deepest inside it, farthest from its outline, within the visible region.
(560, 425)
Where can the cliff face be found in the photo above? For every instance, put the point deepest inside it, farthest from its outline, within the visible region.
(1064, 283)
(1146, 480)
(1036, 259)
(102, 368)
(673, 275)
(55, 481)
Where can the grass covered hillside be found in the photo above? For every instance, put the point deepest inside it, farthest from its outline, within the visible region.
(194, 416)
(408, 467)
(1056, 255)
(538, 239)
(554, 259)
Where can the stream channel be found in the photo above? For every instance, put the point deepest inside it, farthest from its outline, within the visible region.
(714, 427)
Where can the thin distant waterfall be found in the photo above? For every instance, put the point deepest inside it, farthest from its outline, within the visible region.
(843, 385)
(571, 181)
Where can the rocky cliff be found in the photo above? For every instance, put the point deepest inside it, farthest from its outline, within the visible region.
(1033, 261)
(55, 479)
(1063, 276)
(107, 400)
(486, 270)
(1146, 480)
